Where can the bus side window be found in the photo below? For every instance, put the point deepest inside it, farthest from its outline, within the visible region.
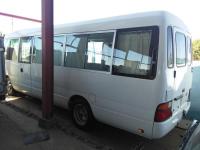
(25, 50)
(170, 50)
(135, 52)
(75, 51)
(99, 50)
(12, 49)
(58, 49)
(37, 50)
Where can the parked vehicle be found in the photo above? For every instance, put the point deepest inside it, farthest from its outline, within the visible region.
(132, 72)
(2, 70)
(191, 140)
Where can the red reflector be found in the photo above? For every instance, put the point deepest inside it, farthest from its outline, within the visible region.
(163, 112)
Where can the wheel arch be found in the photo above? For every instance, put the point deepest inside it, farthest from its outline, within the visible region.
(75, 99)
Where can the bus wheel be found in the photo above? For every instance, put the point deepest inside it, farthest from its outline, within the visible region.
(82, 115)
(10, 89)
(2, 97)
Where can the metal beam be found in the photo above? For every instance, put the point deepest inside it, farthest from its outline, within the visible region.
(47, 59)
(20, 17)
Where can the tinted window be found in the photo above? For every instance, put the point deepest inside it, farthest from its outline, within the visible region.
(58, 50)
(180, 49)
(25, 50)
(12, 49)
(99, 50)
(134, 51)
(37, 50)
(170, 52)
(189, 51)
(75, 51)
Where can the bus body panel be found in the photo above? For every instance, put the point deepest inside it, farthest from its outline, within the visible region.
(111, 99)
(25, 78)
(14, 73)
(61, 83)
(163, 128)
(36, 78)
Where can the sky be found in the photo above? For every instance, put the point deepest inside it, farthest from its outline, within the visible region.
(67, 11)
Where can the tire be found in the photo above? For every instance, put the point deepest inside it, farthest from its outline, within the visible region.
(82, 115)
(10, 89)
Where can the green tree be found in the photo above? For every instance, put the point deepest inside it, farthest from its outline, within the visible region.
(196, 49)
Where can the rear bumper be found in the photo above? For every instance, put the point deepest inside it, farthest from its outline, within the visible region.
(160, 129)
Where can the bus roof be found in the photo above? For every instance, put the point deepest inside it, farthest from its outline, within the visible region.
(159, 18)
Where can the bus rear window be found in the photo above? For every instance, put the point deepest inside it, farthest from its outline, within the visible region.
(135, 52)
(189, 51)
(180, 49)
(170, 52)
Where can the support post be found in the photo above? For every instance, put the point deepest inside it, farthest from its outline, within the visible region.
(47, 64)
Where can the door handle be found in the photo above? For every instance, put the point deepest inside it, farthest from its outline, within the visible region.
(21, 69)
(174, 73)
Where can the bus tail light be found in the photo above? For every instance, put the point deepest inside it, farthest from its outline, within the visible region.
(163, 112)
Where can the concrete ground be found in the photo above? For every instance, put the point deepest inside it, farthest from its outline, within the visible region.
(19, 117)
(15, 128)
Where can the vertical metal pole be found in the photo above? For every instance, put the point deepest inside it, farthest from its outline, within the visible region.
(47, 59)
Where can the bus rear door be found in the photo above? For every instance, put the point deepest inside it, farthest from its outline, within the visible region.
(180, 69)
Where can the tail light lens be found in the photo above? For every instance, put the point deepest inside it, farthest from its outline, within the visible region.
(163, 112)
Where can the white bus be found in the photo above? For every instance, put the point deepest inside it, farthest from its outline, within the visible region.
(132, 72)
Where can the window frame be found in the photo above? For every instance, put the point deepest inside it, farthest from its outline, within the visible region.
(171, 34)
(182, 65)
(153, 51)
(20, 50)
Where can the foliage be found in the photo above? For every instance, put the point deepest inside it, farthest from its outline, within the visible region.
(196, 49)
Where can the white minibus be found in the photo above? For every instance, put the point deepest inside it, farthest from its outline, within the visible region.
(132, 72)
